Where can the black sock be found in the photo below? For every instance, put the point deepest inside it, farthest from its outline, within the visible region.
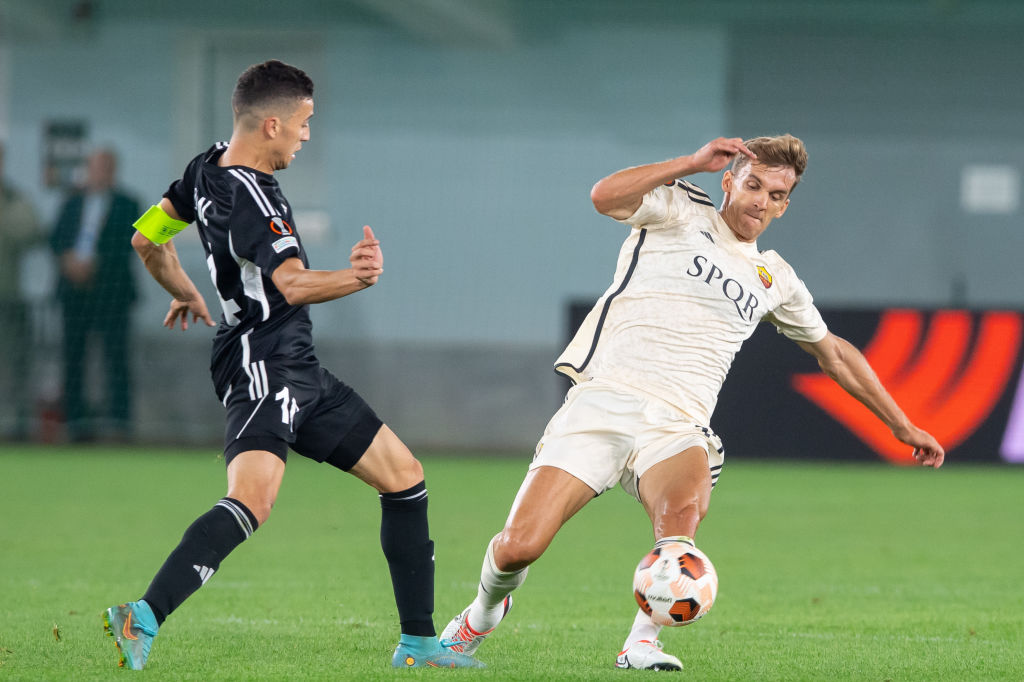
(205, 544)
(405, 538)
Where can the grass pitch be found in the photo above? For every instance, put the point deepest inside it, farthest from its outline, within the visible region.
(828, 572)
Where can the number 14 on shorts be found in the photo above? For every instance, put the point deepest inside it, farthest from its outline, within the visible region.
(288, 407)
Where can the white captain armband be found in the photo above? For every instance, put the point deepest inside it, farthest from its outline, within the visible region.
(157, 226)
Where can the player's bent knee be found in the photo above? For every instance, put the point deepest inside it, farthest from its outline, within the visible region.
(387, 464)
(262, 512)
(513, 552)
(259, 505)
(401, 478)
(410, 473)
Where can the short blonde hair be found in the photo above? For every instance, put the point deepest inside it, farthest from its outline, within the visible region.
(779, 150)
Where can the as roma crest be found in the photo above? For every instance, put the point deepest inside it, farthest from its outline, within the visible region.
(766, 277)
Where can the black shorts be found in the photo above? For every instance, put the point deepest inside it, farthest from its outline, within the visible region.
(275, 407)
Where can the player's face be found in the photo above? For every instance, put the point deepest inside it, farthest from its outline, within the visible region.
(293, 132)
(754, 196)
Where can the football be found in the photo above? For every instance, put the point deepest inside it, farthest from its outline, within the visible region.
(675, 584)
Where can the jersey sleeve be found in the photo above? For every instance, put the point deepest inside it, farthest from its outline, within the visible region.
(259, 235)
(181, 192)
(798, 318)
(670, 204)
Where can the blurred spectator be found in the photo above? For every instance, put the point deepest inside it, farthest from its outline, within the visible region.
(19, 232)
(96, 289)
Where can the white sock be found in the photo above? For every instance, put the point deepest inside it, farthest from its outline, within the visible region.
(489, 606)
(643, 628)
(675, 538)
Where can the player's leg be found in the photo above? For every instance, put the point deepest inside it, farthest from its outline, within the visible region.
(583, 451)
(387, 464)
(389, 467)
(369, 450)
(254, 477)
(340, 429)
(548, 497)
(675, 493)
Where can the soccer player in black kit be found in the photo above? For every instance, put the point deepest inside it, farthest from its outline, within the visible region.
(265, 370)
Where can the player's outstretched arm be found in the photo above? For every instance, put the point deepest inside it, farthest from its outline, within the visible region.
(848, 367)
(300, 286)
(620, 194)
(161, 261)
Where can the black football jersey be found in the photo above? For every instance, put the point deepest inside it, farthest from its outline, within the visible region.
(247, 230)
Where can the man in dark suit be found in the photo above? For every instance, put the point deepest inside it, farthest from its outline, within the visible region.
(96, 289)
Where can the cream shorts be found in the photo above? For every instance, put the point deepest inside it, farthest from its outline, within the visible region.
(607, 433)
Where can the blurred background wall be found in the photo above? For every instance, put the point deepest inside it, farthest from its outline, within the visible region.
(468, 134)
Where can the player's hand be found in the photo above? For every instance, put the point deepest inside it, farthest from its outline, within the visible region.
(927, 450)
(367, 259)
(719, 153)
(182, 309)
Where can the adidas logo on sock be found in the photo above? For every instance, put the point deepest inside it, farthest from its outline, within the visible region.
(204, 572)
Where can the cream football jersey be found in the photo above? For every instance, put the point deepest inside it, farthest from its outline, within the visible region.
(685, 296)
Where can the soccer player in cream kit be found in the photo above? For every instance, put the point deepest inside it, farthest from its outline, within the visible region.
(649, 360)
(265, 370)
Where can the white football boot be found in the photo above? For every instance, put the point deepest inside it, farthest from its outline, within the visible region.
(459, 636)
(647, 655)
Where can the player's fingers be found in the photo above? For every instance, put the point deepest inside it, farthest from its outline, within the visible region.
(734, 145)
(929, 457)
(369, 254)
(171, 318)
(368, 233)
(363, 259)
(365, 249)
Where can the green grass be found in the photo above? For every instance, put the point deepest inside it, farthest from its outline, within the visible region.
(828, 572)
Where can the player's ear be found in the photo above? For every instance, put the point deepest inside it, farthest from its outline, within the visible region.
(271, 126)
(727, 181)
(783, 209)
